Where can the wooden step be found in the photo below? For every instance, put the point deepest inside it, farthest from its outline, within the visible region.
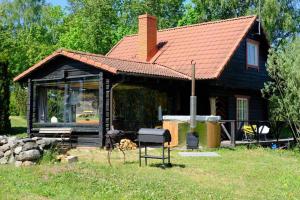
(89, 141)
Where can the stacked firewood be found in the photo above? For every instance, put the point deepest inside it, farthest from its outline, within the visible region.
(126, 144)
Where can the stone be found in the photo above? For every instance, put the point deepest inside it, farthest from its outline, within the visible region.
(18, 149)
(46, 141)
(12, 143)
(14, 138)
(27, 163)
(29, 155)
(36, 138)
(29, 145)
(18, 163)
(4, 148)
(11, 159)
(3, 141)
(72, 159)
(27, 140)
(7, 153)
(3, 161)
(1, 154)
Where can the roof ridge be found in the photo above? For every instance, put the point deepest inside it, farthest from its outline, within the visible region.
(60, 50)
(198, 24)
(208, 23)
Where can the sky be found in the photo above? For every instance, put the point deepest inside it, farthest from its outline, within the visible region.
(62, 3)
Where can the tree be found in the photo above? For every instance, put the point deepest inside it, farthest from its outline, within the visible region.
(90, 26)
(281, 19)
(283, 91)
(4, 99)
(168, 13)
(33, 28)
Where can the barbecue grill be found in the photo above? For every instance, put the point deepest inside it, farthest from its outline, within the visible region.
(154, 137)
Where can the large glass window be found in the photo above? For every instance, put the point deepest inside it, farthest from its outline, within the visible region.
(75, 101)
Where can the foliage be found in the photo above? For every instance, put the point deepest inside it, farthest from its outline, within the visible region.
(280, 19)
(18, 126)
(283, 91)
(49, 156)
(32, 29)
(18, 100)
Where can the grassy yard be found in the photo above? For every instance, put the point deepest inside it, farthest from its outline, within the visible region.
(238, 174)
(18, 125)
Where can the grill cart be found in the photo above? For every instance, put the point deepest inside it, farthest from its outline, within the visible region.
(148, 137)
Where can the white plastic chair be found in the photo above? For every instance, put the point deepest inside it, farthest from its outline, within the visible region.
(264, 130)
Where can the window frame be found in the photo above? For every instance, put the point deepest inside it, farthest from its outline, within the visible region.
(256, 44)
(240, 97)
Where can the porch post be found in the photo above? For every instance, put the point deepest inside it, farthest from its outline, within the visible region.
(66, 104)
(29, 106)
(101, 109)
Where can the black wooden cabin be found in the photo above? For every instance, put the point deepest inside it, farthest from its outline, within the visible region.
(91, 93)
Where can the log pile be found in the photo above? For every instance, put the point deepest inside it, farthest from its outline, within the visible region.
(126, 144)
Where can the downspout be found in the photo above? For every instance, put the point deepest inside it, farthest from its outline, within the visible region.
(111, 105)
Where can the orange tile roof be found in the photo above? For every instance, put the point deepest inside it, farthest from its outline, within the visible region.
(210, 44)
(112, 65)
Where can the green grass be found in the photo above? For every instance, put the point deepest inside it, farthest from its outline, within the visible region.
(18, 126)
(238, 174)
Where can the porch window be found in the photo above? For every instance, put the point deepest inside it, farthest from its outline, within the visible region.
(73, 101)
(242, 109)
(252, 53)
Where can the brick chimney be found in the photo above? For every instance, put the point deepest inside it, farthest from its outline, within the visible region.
(147, 37)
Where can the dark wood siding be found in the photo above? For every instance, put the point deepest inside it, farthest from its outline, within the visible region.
(60, 65)
(237, 75)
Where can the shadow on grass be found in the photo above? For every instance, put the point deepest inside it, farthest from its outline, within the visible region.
(166, 166)
(18, 131)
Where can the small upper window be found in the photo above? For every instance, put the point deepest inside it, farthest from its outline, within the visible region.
(252, 53)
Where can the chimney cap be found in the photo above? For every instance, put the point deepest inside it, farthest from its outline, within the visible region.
(146, 15)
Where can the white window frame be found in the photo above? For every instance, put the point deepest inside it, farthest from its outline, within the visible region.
(242, 108)
(255, 63)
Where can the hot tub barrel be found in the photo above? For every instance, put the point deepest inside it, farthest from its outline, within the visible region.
(207, 127)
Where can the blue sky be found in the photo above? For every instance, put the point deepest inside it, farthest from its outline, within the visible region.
(62, 3)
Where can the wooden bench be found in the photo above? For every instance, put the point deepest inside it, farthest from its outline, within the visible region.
(63, 133)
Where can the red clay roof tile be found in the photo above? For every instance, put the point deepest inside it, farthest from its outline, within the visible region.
(210, 44)
(112, 65)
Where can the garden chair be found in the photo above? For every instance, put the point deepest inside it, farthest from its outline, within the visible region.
(249, 131)
(264, 130)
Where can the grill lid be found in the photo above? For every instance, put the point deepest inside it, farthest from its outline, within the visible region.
(152, 131)
(154, 135)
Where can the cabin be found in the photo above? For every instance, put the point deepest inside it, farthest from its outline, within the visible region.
(147, 75)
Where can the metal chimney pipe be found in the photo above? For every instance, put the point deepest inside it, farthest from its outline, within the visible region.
(192, 140)
(193, 100)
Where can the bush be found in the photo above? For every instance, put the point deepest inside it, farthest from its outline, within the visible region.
(18, 100)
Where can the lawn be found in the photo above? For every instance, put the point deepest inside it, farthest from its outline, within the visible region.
(237, 174)
(18, 126)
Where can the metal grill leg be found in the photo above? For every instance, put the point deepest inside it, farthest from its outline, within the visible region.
(145, 155)
(140, 154)
(163, 154)
(169, 159)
